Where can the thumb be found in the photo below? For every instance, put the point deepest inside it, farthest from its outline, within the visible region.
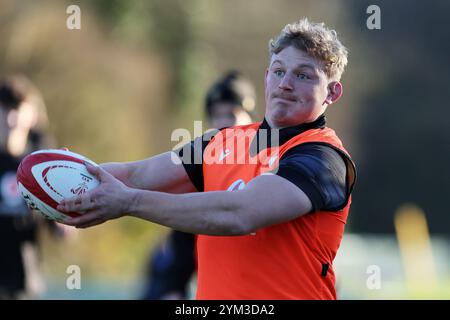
(97, 172)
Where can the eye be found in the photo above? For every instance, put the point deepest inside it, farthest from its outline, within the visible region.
(279, 73)
(302, 76)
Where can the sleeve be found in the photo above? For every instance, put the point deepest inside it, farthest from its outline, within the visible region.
(191, 155)
(320, 171)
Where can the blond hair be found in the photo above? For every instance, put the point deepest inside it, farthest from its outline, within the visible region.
(316, 40)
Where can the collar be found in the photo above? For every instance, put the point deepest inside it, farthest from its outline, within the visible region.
(287, 133)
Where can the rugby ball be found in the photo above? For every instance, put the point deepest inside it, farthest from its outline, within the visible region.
(46, 177)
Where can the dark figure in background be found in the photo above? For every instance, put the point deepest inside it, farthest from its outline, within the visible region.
(22, 123)
(229, 102)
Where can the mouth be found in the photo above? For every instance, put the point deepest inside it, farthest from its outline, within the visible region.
(286, 98)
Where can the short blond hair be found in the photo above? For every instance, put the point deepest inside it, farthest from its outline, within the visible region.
(316, 40)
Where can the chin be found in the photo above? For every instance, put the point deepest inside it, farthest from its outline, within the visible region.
(281, 121)
(279, 116)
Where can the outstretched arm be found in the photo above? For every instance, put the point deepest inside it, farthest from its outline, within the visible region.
(158, 173)
(265, 201)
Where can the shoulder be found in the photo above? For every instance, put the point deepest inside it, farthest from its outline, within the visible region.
(322, 171)
(320, 151)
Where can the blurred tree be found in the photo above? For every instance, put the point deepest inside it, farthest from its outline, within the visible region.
(167, 26)
(171, 29)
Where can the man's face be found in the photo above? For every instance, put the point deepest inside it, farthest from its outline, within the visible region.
(15, 126)
(226, 114)
(297, 89)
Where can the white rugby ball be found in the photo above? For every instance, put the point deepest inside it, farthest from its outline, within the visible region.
(46, 177)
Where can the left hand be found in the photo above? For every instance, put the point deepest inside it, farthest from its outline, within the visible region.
(110, 200)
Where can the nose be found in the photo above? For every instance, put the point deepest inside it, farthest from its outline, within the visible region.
(286, 82)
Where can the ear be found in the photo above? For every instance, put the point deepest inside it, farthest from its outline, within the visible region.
(335, 91)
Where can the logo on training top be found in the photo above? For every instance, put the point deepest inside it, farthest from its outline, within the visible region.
(225, 153)
(272, 160)
(237, 185)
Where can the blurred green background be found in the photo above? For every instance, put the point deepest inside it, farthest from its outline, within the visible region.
(117, 88)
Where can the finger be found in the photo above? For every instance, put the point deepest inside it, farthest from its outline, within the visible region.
(101, 174)
(97, 218)
(77, 204)
(84, 219)
(64, 148)
(92, 223)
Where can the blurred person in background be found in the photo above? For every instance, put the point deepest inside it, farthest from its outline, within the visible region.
(23, 124)
(229, 102)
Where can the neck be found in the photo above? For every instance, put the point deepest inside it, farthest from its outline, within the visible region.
(319, 122)
(273, 125)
